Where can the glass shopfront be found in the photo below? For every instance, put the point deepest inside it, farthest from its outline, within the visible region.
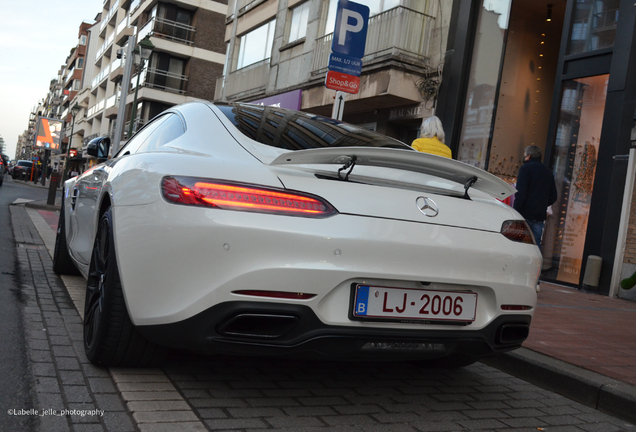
(485, 70)
(574, 163)
(539, 75)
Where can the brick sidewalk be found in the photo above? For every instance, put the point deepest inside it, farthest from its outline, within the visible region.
(64, 379)
(591, 331)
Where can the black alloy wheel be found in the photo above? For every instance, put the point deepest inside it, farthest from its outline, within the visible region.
(110, 338)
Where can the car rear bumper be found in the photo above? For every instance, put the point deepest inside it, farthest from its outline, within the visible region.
(279, 329)
(177, 262)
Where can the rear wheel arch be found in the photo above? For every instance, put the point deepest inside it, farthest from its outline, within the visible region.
(105, 204)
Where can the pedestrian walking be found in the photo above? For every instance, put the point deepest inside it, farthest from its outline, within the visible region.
(431, 138)
(536, 191)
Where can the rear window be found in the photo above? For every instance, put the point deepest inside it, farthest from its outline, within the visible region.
(24, 163)
(295, 130)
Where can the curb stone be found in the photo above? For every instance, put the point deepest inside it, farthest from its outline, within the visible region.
(594, 390)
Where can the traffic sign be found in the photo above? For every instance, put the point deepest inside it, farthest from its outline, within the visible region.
(350, 33)
(343, 82)
(338, 106)
(345, 64)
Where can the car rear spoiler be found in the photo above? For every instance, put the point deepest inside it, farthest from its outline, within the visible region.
(449, 169)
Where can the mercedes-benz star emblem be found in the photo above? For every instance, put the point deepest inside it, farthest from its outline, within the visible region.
(427, 206)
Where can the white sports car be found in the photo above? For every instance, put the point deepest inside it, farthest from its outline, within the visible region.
(243, 229)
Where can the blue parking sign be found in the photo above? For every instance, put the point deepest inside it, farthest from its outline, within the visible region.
(350, 33)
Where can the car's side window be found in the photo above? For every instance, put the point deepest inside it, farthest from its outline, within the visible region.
(138, 139)
(167, 131)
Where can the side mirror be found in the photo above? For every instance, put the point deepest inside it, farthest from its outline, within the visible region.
(99, 147)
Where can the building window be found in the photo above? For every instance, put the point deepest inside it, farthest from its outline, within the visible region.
(256, 45)
(80, 63)
(485, 73)
(298, 27)
(82, 40)
(593, 25)
(165, 73)
(227, 58)
(174, 22)
(375, 7)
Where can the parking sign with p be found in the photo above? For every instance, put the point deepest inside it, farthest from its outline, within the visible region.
(350, 33)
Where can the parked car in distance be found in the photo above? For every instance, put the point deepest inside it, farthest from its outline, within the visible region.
(22, 169)
(3, 169)
(250, 230)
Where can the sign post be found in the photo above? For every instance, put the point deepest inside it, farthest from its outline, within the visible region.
(345, 61)
(338, 106)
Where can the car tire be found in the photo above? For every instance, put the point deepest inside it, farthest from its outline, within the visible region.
(62, 262)
(110, 338)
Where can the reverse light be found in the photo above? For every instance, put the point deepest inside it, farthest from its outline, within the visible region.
(243, 197)
(515, 307)
(517, 231)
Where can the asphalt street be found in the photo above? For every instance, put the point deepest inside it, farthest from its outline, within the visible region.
(15, 376)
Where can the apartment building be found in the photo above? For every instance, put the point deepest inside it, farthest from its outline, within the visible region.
(278, 52)
(187, 58)
(69, 84)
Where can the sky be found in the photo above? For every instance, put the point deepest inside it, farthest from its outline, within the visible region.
(36, 37)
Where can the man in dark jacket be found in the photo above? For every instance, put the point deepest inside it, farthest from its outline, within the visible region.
(536, 191)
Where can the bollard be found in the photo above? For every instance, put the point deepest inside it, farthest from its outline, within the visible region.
(592, 273)
(53, 185)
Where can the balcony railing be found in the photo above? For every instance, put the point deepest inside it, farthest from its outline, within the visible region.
(111, 101)
(112, 11)
(168, 29)
(96, 108)
(107, 43)
(396, 31)
(101, 77)
(249, 79)
(123, 24)
(163, 80)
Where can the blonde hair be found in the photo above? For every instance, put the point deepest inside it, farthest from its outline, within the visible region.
(432, 127)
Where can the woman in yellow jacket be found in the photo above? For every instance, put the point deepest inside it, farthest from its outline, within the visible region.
(432, 138)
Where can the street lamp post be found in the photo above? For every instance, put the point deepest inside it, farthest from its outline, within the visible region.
(55, 179)
(144, 48)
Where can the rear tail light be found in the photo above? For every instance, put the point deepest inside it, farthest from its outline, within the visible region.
(243, 197)
(517, 231)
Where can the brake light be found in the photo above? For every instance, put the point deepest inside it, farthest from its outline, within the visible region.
(517, 231)
(243, 197)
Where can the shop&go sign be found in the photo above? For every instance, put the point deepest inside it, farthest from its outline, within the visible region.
(342, 82)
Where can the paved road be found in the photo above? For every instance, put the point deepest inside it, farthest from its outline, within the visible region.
(15, 378)
(196, 393)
